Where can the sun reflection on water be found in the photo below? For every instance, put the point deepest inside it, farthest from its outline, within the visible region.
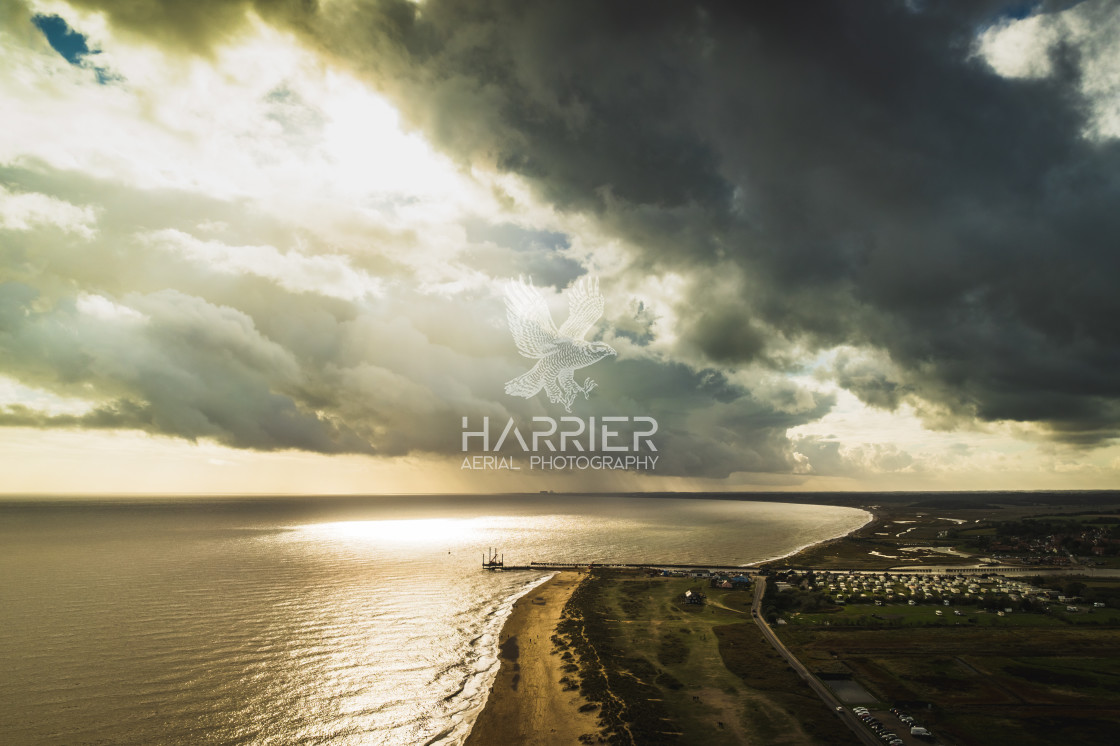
(407, 531)
(376, 626)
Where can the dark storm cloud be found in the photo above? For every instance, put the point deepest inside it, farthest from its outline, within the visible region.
(707, 425)
(863, 177)
(847, 173)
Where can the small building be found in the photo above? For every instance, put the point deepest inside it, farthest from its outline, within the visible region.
(693, 597)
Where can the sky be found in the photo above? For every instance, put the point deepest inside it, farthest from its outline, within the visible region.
(265, 246)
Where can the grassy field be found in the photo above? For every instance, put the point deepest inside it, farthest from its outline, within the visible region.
(981, 531)
(902, 615)
(1029, 684)
(1093, 617)
(1077, 517)
(665, 671)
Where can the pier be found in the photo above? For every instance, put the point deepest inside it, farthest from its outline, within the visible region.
(496, 562)
(615, 566)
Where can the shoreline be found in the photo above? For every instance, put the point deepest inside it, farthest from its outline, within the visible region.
(546, 713)
(872, 516)
(526, 702)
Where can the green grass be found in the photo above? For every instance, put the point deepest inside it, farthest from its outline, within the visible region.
(985, 531)
(1076, 518)
(782, 699)
(1080, 676)
(681, 641)
(1028, 680)
(1019, 619)
(667, 658)
(1106, 667)
(1088, 615)
(1014, 726)
(921, 615)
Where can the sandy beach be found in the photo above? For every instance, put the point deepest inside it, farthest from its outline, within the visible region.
(527, 704)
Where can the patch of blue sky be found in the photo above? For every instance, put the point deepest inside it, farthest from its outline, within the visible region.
(71, 45)
(65, 40)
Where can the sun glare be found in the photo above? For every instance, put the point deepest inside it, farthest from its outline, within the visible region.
(364, 139)
(408, 531)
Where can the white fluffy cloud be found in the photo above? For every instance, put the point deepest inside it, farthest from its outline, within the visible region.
(22, 211)
(1025, 48)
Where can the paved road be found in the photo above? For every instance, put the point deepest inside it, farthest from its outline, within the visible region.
(862, 733)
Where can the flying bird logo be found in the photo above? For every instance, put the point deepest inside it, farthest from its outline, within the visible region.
(558, 352)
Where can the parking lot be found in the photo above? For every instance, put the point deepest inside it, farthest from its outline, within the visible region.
(892, 724)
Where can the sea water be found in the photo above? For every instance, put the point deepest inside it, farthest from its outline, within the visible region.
(308, 620)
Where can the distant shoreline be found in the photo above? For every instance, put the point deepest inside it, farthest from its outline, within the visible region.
(872, 516)
(854, 498)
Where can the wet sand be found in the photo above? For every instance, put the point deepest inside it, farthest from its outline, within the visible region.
(527, 704)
